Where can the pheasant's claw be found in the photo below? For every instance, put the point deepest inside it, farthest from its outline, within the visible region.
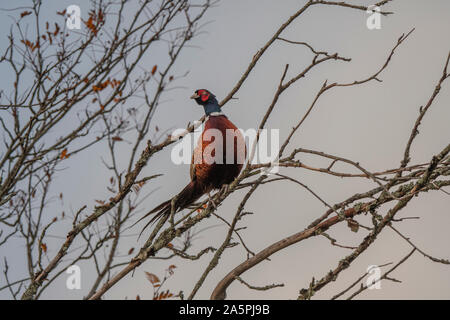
(211, 201)
(224, 189)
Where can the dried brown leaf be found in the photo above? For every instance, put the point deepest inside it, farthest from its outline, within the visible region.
(152, 278)
(25, 13)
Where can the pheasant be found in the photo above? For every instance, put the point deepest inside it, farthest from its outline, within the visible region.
(208, 171)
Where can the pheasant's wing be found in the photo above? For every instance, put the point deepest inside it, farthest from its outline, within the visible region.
(192, 169)
(196, 158)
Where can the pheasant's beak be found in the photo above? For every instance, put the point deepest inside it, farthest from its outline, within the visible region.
(195, 96)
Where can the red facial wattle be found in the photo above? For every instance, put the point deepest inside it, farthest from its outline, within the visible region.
(204, 95)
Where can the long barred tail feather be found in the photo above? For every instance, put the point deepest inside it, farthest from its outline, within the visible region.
(186, 197)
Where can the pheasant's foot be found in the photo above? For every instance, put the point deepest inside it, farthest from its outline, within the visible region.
(211, 201)
(224, 188)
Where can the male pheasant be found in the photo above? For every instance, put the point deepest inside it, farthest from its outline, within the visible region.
(208, 171)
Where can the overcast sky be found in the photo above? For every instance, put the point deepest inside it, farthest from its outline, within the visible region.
(369, 124)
